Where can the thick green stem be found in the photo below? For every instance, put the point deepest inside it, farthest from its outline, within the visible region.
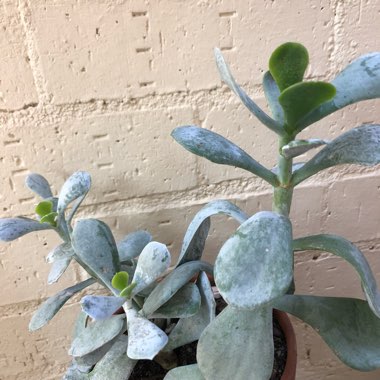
(282, 195)
(282, 199)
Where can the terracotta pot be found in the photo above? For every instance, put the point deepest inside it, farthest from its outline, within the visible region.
(291, 359)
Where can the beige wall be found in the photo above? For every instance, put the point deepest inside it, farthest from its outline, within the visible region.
(99, 85)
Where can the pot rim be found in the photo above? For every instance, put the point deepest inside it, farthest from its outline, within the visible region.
(291, 344)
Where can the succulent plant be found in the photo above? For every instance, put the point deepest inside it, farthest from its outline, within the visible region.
(254, 268)
(164, 308)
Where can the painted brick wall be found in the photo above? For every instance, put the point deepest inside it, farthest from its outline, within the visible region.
(99, 85)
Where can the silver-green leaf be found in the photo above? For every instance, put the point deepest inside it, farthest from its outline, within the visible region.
(39, 185)
(53, 304)
(188, 372)
(95, 246)
(101, 307)
(184, 304)
(360, 80)
(76, 186)
(172, 283)
(347, 325)
(132, 245)
(145, 338)
(115, 365)
(13, 228)
(264, 245)
(153, 262)
(193, 242)
(238, 344)
(297, 147)
(62, 251)
(58, 269)
(272, 92)
(188, 330)
(96, 334)
(345, 249)
(227, 77)
(73, 373)
(359, 146)
(218, 149)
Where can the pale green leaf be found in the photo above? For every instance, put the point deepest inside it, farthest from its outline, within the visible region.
(96, 334)
(188, 330)
(272, 92)
(13, 228)
(172, 283)
(264, 245)
(188, 372)
(132, 245)
(39, 185)
(227, 77)
(115, 365)
(76, 186)
(194, 240)
(145, 339)
(62, 251)
(347, 325)
(73, 373)
(218, 149)
(358, 146)
(53, 304)
(185, 303)
(345, 249)
(153, 262)
(58, 269)
(360, 80)
(101, 307)
(238, 344)
(95, 246)
(297, 147)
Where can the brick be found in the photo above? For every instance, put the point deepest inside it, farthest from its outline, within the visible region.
(356, 29)
(316, 361)
(169, 226)
(130, 154)
(108, 50)
(27, 149)
(16, 79)
(24, 271)
(38, 355)
(234, 122)
(307, 210)
(353, 206)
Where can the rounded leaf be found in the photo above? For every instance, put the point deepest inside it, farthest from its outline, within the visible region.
(238, 344)
(39, 185)
(255, 265)
(288, 64)
(301, 98)
(44, 208)
(347, 325)
(153, 262)
(76, 186)
(120, 280)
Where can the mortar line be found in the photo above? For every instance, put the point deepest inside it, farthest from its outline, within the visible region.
(32, 50)
(233, 190)
(337, 34)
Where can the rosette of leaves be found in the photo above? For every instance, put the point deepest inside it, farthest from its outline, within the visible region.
(254, 268)
(162, 308)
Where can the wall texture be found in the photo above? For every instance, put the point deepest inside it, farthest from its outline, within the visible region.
(99, 85)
